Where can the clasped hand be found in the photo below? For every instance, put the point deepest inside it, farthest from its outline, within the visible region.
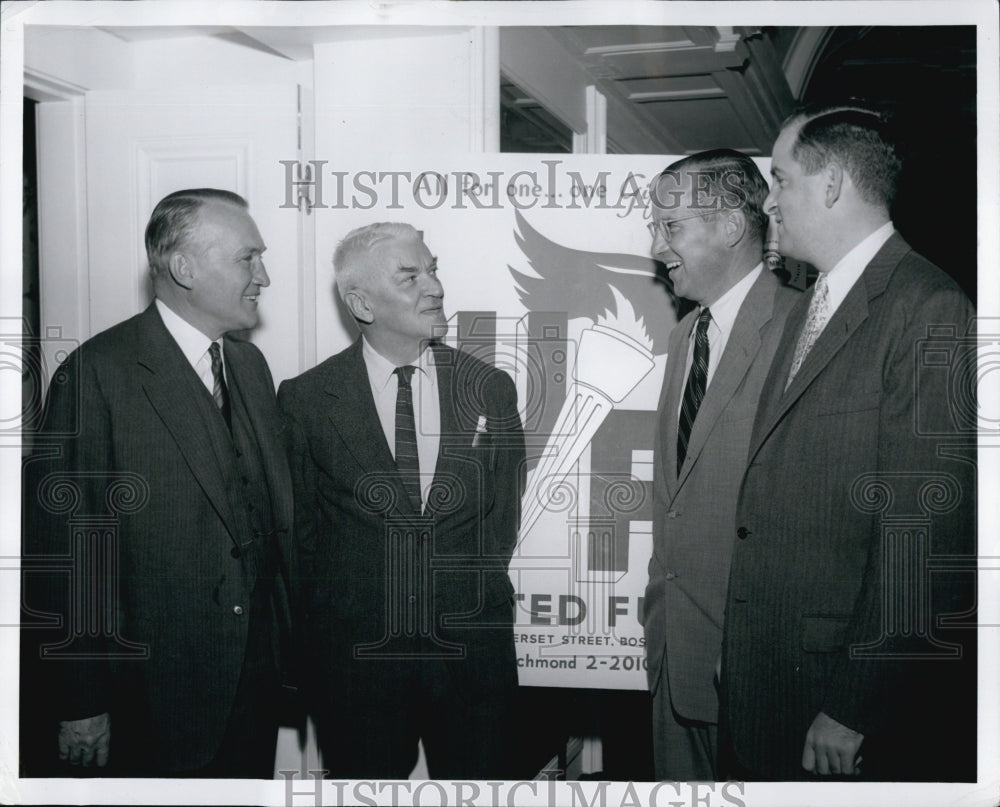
(85, 741)
(832, 748)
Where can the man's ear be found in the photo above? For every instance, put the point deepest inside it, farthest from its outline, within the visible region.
(834, 176)
(736, 227)
(359, 307)
(180, 270)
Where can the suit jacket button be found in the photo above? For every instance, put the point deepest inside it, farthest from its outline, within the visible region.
(235, 552)
(238, 610)
(670, 575)
(743, 533)
(672, 514)
(412, 599)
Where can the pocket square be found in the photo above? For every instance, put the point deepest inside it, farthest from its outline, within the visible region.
(481, 436)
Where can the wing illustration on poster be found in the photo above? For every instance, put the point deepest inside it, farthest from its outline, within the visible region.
(614, 291)
(583, 284)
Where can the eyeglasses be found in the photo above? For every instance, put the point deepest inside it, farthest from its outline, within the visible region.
(661, 227)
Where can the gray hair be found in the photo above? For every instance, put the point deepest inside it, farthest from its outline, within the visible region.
(351, 257)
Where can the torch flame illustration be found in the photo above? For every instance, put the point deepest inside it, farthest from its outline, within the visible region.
(614, 355)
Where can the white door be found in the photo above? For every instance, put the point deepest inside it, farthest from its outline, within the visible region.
(144, 144)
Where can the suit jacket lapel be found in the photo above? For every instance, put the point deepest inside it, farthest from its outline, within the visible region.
(672, 391)
(741, 347)
(456, 437)
(168, 388)
(353, 413)
(844, 322)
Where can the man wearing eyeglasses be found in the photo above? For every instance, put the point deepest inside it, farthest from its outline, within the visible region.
(708, 227)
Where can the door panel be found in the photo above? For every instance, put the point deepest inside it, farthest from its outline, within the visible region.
(142, 145)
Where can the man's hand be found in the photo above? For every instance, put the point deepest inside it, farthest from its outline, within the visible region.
(85, 741)
(831, 747)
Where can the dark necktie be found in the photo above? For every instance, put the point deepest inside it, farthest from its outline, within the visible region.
(219, 390)
(694, 391)
(407, 460)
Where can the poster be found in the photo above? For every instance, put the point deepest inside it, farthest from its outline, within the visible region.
(580, 566)
(547, 274)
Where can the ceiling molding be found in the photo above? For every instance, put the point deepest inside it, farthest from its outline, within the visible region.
(803, 56)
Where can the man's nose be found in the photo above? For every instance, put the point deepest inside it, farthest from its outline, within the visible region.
(660, 245)
(260, 276)
(433, 287)
(771, 202)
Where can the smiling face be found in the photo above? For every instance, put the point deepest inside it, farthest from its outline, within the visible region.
(224, 269)
(796, 200)
(404, 298)
(689, 241)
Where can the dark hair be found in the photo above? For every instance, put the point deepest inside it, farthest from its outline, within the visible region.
(173, 219)
(726, 180)
(857, 139)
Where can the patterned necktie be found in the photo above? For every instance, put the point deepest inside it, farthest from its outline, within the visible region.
(219, 389)
(694, 391)
(407, 460)
(816, 319)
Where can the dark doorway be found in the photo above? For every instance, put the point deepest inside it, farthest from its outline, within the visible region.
(924, 78)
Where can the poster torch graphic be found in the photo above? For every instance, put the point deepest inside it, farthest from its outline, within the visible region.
(588, 496)
(613, 355)
(546, 264)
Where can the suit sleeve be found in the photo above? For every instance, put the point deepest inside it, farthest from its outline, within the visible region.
(503, 520)
(303, 475)
(67, 478)
(928, 468)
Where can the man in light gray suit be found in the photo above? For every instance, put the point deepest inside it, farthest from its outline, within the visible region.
(708, 229)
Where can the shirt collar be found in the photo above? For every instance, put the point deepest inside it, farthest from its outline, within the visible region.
(192, 342)
(842, 277)
(380, 369)
(725, 309)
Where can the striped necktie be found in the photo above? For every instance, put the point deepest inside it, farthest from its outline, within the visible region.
(219, 390)
(694, 391)
(407, 460)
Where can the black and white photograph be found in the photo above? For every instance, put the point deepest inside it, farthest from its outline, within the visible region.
(452, 402)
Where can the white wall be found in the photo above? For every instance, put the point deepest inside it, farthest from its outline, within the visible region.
(137, 120)
(385, 96)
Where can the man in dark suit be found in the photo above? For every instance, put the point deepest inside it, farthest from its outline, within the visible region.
(161, 473)
(849, 614)
(708, 229)
(407, 485)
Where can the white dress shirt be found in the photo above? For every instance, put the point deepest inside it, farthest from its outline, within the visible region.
(724, 312)
(193, 344)
(842, 277)
(426, 406)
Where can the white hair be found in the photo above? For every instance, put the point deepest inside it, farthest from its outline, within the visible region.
(351, 258)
